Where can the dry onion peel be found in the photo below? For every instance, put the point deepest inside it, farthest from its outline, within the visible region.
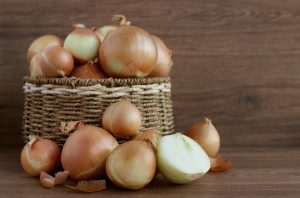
(151, 135)
(68, 127)
(180, 159)
(89, 186)
(219, 164)
(49, 181)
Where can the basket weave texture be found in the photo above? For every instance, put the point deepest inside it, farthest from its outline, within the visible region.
(49, 101)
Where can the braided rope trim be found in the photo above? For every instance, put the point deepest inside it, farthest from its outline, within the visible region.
(98, 89)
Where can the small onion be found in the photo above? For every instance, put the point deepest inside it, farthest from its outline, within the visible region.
(206, 135)
(164, 59)
(41, 43)
(85, 151)
(90, 70)
(122, 119)
(52, 62)
(128, 51)
(180, 159)
(132, 165)
(104, 30)
(40, 155)
(83, 44)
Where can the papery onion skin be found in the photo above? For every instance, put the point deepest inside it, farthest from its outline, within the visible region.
(42, 155)
(83, 44)
(132, 165)
(104, 30)
(151, 135)
(41, 43)
(128, 51)
(52, 62)
(164, 59)
(90, 70)
(85, 151)
(122, 119)
(206, 135)
(180, 159)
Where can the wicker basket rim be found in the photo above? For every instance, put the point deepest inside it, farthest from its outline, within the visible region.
(108, 82)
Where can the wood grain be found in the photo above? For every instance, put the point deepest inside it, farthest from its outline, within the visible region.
(235, 61)
(256, 173)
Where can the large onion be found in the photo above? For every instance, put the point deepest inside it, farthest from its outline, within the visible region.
(164, 59)
(122, 119)
(206, 135)
(132, 165)
(83, 44)
(41, 43)
(85, 151)
(40, 155)
(90, 70)
(180, 159)
(52, 62)
(128, 51)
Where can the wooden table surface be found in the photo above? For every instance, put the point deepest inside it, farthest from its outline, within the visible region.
(235, 61)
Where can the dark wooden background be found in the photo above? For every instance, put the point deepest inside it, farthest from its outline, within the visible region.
(235, 61)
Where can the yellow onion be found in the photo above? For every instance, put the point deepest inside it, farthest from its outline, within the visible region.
(151, 135)
(128, 51)
(122, 119)
(52, 62)
(40, 155)
(180, 159)
(164, 59)
(83, 44)
(90, 70)
(132, 165)
(41, 43)
(85, 151)
(104, 30)
(206, 135)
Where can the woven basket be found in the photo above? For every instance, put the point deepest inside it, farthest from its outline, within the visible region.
(49, 101)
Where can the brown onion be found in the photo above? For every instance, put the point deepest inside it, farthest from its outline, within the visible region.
(206, 135)
(132, 165)
(83, 44)
(164, 59)
(41, 43)
(122, 119)
(52, 62)
(128, 51)
(90, 70)
(85, 151)
(40, 155)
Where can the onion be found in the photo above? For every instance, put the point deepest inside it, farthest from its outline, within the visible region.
(180, 159)
(151, 135)
(40, 155)
(164, 59)
(132, 165)
(206, 135)
(83, 44)
(41, 43)
(128, 51)
(104, 30)
(52, 62)
(122, 119)
(85, 151)
(90, 70)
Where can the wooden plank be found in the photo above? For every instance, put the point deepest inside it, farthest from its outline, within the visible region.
(235, 61)
(265, 172)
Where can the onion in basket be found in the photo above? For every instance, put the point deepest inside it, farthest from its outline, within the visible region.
(41, 43)
(52, 62)
(90, 70)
